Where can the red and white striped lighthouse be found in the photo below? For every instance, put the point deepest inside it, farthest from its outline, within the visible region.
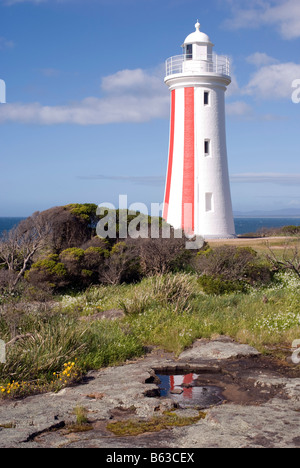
(197, 194)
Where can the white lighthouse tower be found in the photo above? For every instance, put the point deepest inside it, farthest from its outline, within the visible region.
(197, 193)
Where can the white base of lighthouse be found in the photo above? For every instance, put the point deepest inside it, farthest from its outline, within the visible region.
(197, 196)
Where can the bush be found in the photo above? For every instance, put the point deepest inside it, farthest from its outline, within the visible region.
(48, 271)
(177, 290)
(68, 226)
(218, 286)
(231, 264)
(161, 256)
(73, 267)
(122, 265)
(72, 259)
(290, 230)
(86, 212)
(174, 290)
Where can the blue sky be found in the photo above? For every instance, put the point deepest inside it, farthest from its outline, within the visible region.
(87, 113)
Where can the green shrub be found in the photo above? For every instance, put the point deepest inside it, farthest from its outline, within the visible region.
(86, 273)
(72, 259)
(290, 230)
(177, 290)
(48, 271)
(219, 286)
(86, 211)
(230, 264)
(72, 254)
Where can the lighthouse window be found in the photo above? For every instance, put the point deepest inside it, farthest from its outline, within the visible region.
(189, 51)
(209, 202)
(207, 147)
(206, 98)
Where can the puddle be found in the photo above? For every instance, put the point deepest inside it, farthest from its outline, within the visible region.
(185, 391)
(237, 382)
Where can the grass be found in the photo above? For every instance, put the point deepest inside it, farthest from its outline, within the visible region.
(56, 347)
(82, 423)
(10, 425)
(134, 427)
(43, 362)
(246, 318)
(261, 245)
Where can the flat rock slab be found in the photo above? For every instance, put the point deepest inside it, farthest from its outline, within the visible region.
(219, 349)
(272, 425)
(22, 422)
(120, 393)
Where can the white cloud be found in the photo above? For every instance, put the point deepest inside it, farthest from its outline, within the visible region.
(267, 177)
(90, 111)
(283, 14)
(135, 81)
(14, 2)
(131, 96)
(294, 203)
(233, 89)
(260, 59)
(243, 110)
(239, 109)
(273, 82)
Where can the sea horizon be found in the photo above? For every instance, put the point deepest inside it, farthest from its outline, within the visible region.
(243, 224)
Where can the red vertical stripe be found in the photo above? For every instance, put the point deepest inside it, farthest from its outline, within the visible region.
(188, 391)
(170, 162)
(188, 216)
(172, 382)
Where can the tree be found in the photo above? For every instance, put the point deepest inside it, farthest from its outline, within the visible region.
(71, 226)
(160, 256)
(44, 233)
(18, 246)
(288, 260)
(122, 265)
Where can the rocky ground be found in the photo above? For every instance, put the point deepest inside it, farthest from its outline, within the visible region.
(260, 404)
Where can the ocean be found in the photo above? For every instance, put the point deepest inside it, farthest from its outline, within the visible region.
(242, 225)
(8, 223)
(247, 225)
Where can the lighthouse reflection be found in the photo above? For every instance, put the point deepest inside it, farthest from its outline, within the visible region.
(171, 383)
(187, 391)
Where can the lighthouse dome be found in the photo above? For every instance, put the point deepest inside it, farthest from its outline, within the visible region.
(197, 37)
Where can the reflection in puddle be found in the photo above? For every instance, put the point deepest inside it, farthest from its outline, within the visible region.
(171, 382)
(185, 391)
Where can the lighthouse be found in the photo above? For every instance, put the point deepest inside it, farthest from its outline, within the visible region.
(197, 193)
